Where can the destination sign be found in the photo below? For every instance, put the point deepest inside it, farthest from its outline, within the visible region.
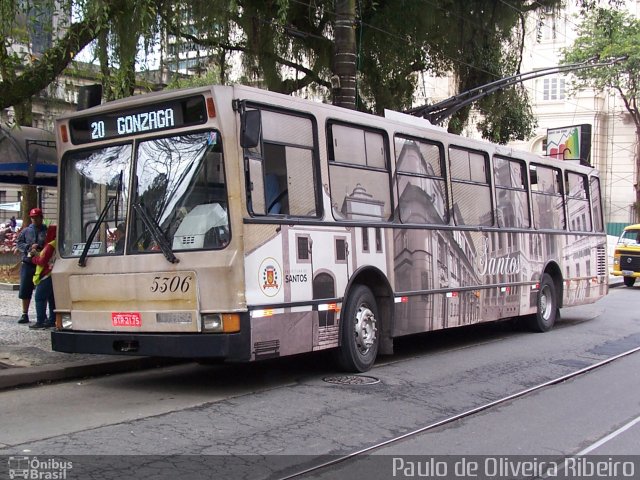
(150, 118)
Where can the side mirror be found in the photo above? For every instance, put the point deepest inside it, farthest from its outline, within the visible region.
(250, 124)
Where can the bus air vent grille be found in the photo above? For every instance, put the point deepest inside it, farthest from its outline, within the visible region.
(601, 260)
(267, 349)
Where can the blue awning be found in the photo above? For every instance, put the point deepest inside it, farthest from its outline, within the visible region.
(28, 156)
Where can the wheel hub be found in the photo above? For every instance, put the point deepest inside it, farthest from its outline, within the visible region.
(365, 328)
(545, 304)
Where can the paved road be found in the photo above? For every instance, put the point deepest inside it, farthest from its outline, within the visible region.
(285, 412)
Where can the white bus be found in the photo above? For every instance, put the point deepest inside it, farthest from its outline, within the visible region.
(256, 225)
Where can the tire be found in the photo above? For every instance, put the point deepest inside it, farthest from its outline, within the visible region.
(629, 281)
(547, 306)
(358, 331)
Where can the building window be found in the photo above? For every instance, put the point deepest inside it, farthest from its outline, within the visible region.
(304, 250)
(553, 89)
(551, 27)
(365, 239)
(341, 250)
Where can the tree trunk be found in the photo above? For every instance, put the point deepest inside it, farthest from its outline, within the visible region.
(344, 85)
(24, 117)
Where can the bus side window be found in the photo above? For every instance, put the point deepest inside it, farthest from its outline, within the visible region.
(282, 175)
(547, 198)
(273, 194)
(275, 178)
(470, 187)
(256, 186)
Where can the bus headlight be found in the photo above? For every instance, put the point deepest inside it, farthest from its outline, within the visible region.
(221, 322)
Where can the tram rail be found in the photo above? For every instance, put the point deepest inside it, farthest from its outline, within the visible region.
(467, 413)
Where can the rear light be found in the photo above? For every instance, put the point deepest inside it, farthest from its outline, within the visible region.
(211, 108)
(64, 134)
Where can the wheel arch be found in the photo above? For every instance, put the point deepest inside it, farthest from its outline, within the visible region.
(553, 270)
(374, 279)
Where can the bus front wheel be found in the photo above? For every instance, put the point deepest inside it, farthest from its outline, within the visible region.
(358, 331)
(629, 281)
(547, 310)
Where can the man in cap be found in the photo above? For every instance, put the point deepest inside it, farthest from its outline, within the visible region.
(30, 242)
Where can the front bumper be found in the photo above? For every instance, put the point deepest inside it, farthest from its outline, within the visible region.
(625, 273)
(233, 346)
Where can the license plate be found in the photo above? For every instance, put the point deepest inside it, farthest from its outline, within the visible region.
(627, 273)
(126, 319)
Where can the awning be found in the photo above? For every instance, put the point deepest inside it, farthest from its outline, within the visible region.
(28, 156)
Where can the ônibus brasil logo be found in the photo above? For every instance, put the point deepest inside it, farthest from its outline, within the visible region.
(40, 469)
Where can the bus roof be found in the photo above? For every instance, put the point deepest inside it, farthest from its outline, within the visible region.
(330, 111)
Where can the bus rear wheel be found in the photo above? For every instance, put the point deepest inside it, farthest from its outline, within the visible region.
(358, 331)
(547, 311)
(629, 281)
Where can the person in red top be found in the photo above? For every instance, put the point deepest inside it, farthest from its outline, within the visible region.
(43, 283)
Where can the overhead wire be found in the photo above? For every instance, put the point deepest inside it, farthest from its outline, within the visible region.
(405, 40)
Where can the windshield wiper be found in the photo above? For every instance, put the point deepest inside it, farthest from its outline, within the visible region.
(156, 233)
(82, 261)
(118, 193)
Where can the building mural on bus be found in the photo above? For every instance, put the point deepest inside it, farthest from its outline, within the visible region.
(444, 267)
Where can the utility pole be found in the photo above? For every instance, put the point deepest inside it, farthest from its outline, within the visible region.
(343, 81)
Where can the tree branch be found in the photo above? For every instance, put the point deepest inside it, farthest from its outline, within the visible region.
(635, 115)
(37, 76)
(286, 86)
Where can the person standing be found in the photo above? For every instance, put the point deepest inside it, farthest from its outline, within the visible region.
(42, 281)
(30, 242)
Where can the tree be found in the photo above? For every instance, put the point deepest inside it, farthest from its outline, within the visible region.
(24, 74)
(287, 46)
(609, 34)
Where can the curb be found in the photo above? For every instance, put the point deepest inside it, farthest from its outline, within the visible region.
(24, 376)
(616, 284)
(9, 286)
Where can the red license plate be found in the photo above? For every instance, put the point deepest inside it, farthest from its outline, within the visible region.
(126, 319)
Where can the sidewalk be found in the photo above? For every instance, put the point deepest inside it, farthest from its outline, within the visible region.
(26, 357)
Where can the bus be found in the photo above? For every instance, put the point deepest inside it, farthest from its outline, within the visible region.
(229, 223)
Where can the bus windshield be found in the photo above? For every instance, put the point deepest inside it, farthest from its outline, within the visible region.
(177, 183)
